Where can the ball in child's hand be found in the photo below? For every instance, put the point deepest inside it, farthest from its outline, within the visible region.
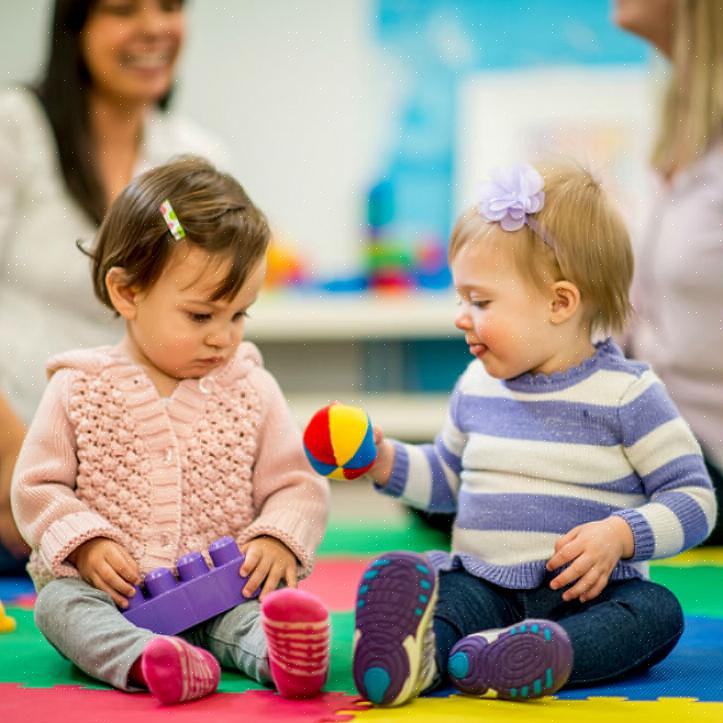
(339, 442)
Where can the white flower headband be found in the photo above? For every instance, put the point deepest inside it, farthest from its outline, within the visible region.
(511, 197)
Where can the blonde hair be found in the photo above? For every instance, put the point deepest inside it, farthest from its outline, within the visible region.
(580, 237)
(692, 112)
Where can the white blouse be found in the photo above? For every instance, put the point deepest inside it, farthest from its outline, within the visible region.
(47, 303)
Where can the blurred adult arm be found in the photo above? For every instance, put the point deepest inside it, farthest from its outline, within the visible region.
(12, 432)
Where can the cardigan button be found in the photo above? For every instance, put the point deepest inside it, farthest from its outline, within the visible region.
(204, 384)
(169, 456)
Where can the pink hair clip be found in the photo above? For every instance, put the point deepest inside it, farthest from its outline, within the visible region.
(174, 225)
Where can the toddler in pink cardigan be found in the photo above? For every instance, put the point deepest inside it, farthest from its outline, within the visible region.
(142, 452)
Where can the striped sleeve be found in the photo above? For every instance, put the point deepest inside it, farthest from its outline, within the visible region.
(681, 508)
(427, 476)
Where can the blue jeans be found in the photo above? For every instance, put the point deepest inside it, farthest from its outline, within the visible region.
(630, 626)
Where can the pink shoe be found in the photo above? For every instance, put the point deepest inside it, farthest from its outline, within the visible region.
(296, 624)
(175, 670)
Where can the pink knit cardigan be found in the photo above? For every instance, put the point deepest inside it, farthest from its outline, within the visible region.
(106, 456)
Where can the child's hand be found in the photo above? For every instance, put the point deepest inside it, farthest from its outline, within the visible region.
(382, 469)
(593, 549)
(108, 566)
(267, 559)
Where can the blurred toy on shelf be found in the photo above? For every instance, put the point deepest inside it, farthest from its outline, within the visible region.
(400, 257)
(172, 604)
(284, 266)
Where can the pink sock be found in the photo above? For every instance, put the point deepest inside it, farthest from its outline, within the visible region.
(175, 670)
(296, 624)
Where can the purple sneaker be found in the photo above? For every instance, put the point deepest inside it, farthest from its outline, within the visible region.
(527, 660)
(394, 639)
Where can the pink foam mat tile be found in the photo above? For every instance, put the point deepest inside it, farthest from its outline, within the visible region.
(335, 581)
(79, 705)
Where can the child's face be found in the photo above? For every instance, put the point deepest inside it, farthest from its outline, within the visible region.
(177, 328)
(505, 317)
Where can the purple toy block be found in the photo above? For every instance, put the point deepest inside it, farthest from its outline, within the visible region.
(171, 605)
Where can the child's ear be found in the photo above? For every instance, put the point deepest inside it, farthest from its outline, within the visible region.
(122, 296)
(564, 302)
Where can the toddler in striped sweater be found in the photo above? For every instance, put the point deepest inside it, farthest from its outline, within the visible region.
(567, 466)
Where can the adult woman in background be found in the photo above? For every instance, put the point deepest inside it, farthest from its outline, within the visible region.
(678, 288)
(67, 147)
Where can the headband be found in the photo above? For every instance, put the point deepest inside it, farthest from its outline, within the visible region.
(511, 197)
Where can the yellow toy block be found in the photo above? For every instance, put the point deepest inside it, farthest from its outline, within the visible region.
(7, 624)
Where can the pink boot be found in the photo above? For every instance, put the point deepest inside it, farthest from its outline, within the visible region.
(175, 670)
(296, 624)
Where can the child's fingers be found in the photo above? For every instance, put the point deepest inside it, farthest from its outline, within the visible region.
(251, 559)
(568, 537)
(124, 565)
(290, 576)
(258, 575)
(101, 579)
(575, 571)
(585, 584)
(110, 577)
(272, 581)
(566, 553)
(595, 590)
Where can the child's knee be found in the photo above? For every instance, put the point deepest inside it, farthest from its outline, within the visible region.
(46, 605)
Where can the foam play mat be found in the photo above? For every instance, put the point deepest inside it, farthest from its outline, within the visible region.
(38, 685)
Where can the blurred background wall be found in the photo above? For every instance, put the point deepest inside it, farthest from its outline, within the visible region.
(362, 127)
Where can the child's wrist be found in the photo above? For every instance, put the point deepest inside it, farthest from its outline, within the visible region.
(382, 469)
(625, 535)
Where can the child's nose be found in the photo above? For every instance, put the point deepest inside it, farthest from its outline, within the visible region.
(219, 338)
(462, 321)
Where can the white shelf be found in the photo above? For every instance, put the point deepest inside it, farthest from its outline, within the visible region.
(417, 417)
(288, 316)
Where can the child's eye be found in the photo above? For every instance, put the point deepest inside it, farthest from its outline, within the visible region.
(480, 303)
(240, 315)
(199, 318)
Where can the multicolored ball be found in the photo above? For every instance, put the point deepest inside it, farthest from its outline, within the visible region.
(339, 442)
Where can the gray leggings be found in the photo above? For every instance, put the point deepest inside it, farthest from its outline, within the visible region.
(85, 626)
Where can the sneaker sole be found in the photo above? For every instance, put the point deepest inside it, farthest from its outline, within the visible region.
(526, 661)
(395, 606)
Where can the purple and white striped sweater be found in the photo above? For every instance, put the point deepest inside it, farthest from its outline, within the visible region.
(522, 461)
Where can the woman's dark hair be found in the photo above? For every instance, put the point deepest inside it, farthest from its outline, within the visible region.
(63, 93)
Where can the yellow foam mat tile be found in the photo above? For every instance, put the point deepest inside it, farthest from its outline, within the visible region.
(700, 556)
(546, 710)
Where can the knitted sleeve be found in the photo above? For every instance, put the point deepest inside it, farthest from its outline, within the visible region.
(292, 502)
(50, 517)
(427, 476)
(681, 507)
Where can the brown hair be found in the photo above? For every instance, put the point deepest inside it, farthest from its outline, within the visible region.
(692, 113)
(587, 244)
(214, 210)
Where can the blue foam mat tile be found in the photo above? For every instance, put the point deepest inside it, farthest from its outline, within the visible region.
(12, 588)
(692, 670)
